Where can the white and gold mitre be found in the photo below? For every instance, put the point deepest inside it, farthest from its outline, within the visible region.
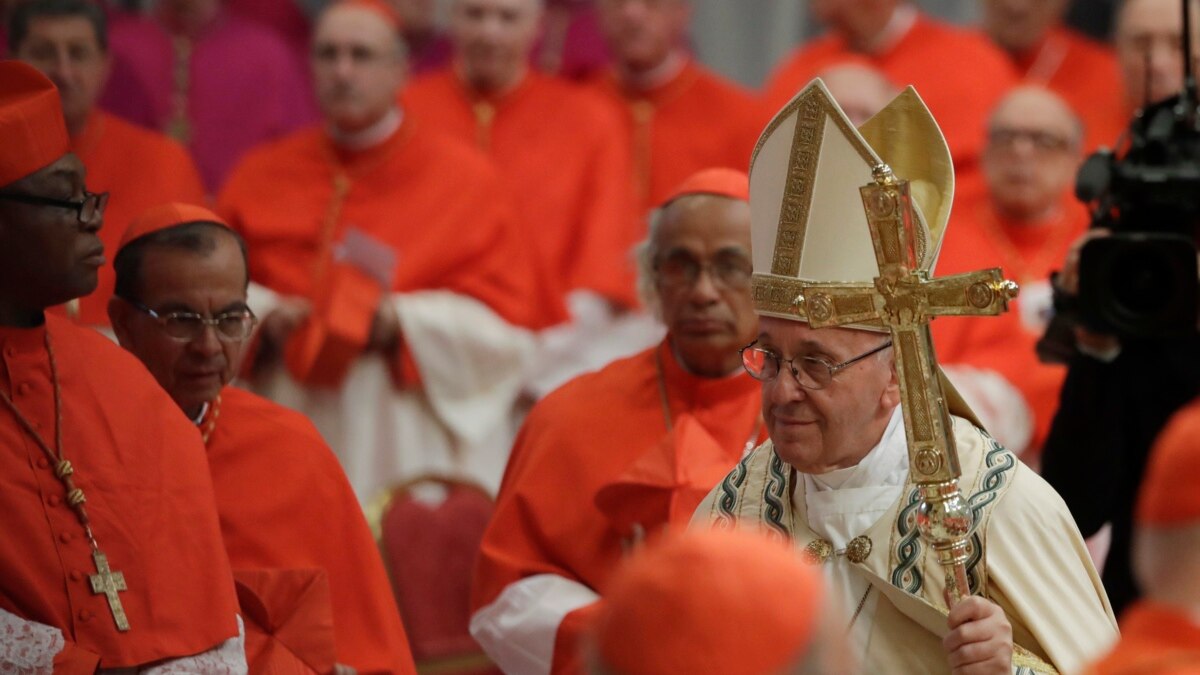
(809, 224)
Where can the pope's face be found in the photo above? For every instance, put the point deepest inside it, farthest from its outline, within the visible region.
(48, 256)
(357, 67)
(642, 33)
(67, 51)
(493, 39)
(820, 430)
(1032, 154)
(208, 283)
(702, 279)
(1017, 25)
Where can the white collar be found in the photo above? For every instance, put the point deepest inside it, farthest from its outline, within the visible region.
(200, 416)
(900, 23)
(373, 135)
(668, 70)
(884, 466)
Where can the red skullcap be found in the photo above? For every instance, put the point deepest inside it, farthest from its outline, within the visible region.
(723, 182)
(165, 217)
(383, 8)
(718, 601)
(33, 134)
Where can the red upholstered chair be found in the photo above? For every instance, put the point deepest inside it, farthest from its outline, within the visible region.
(429, 530)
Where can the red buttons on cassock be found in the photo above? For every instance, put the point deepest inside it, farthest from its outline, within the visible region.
(85, 615)
(66, 537)
(42, 463)
(76, 575)
(53, 500)
(23, 389)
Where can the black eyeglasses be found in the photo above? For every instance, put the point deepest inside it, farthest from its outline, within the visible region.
(86, 209)
(1042, 141)
(232, 326)
(813, 372)
(730, 271)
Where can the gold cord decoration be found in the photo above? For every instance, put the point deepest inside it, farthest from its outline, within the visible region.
(858, 610)
(105, 581)
(666, 405)
(485, 115)
(642, 112)
(210, 419)
(662, 389)
(1012, 258)
(179, 126)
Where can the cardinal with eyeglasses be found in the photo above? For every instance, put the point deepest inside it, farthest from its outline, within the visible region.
(110, 553)
(835, 477)
(311, 602)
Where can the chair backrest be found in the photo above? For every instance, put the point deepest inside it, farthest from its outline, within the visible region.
(429, 530)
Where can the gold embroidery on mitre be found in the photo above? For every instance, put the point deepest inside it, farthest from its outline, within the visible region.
(902, 135)
(813, 107)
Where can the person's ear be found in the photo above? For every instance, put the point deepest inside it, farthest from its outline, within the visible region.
(119, 314)
(106, 68)
(890, 398)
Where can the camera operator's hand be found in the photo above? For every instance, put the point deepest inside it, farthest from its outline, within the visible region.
(1099, 345)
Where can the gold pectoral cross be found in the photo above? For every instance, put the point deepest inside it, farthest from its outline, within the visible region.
(904, 299)
(109, 583)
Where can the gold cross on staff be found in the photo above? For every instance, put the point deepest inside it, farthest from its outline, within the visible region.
(904, 299)
(109, 583)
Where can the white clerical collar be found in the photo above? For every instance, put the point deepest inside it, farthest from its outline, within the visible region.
(902, 20)
(200, 416)
(885, 465)
(657, 76)
(371, 136)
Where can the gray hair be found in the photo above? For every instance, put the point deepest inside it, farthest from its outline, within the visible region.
(645, 252)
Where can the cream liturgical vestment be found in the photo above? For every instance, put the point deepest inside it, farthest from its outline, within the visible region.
(1026, 554)
(810, 232)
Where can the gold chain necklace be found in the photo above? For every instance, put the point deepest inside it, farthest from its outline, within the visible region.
(858, 610)
(105, 581)
(1011, 256)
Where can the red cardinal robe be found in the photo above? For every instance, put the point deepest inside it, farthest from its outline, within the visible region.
(933, 57)
(435, 203)
(696, 120)
(281, 495)
(590, 476)
(555, 146)
(1086, 74)
(1156, 639)
(142, 469)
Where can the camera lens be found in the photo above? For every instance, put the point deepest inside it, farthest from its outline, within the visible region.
(1139, 285)
(1145, 282)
